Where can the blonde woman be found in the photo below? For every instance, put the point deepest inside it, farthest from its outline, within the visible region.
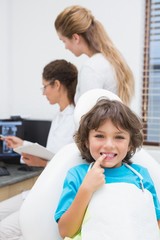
(105, 67)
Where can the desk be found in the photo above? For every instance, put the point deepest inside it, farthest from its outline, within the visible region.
(18, 181)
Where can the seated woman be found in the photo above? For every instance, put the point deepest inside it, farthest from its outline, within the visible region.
(59, 80)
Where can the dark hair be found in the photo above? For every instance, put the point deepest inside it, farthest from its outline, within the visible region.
(63, 71)
(120, 115)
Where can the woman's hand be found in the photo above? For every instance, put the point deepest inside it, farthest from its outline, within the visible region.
(33, 161)
(12, 141)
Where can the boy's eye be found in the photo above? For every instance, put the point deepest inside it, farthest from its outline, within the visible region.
(120, 137)
(99, 136)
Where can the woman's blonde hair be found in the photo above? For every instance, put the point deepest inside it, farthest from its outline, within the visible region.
(77, 19)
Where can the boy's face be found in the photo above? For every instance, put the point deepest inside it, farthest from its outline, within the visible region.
(112, 142)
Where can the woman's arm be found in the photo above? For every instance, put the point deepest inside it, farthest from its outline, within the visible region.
(71, 220)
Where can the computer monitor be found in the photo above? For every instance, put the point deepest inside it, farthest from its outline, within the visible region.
(27, 129)
(36, 130)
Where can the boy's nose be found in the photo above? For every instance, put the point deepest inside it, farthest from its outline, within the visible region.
(109, 142)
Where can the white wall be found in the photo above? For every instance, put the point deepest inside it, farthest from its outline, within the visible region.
(29, 41)
(5, 88)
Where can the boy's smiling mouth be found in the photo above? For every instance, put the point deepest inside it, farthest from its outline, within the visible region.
(108, 156)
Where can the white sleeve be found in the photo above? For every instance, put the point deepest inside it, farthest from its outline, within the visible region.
(88, 79)
(25, 143)
(62, 134)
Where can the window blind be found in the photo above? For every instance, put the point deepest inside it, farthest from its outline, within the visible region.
(151, 74)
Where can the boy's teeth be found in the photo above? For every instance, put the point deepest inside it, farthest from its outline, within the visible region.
(109, 155)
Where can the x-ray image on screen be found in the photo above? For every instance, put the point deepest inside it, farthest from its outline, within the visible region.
(9, 128)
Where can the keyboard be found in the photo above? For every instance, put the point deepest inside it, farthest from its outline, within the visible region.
(4, 171)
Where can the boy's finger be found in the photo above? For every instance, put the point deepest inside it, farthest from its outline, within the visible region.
(98, 161)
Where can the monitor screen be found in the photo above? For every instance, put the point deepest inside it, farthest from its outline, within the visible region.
(27, 129)
(36, 130)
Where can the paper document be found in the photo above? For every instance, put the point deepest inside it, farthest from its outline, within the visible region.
(36, 150)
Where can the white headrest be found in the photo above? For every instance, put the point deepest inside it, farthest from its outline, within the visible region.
(88, 100)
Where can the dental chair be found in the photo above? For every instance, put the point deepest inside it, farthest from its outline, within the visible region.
(37, 212)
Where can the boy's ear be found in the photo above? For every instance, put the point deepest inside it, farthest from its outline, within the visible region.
(87, 145)
(130, 148)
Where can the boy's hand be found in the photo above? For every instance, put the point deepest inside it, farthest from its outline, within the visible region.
(95, 178)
